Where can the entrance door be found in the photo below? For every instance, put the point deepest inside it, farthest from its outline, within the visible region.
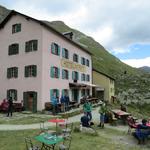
(30, 101)
(100, 95)
(75, 95)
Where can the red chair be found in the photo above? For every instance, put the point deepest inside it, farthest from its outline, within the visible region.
(131, 124)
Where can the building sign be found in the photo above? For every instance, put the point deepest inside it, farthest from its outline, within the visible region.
(71, 65)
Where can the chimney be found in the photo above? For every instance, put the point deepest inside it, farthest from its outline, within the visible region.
(69, 35)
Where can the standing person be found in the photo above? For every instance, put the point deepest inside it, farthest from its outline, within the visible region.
(87, 108)
(102, 112)
(62, 101)
(10, 107)
(67, 101)
(54, 104)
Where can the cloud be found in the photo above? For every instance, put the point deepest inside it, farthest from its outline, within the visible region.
(138, 62)
(116, 24)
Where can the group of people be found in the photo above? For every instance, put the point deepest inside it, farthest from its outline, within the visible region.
(142, 131)
(86, 119)
(8, 106)
(64, 101)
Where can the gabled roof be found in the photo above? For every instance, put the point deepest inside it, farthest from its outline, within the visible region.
(43, 23)
(93, 69)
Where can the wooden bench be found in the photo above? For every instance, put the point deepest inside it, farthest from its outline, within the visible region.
(17, 107)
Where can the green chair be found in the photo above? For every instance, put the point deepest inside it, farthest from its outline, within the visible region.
(29, 144)
(66, 144)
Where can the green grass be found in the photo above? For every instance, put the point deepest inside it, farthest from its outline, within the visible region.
(106, 140)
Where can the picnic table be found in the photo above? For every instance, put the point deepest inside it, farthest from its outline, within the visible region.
(121, 114)
(48, 141)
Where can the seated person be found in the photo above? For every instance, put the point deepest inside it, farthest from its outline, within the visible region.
(85, 121)
(142, 131)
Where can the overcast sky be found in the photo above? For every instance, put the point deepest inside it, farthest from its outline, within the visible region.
(121, 26)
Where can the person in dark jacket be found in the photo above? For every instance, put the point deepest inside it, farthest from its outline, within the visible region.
(85, 121)
(142, 131)
(62, 101)
(67, 101)
(10, 107)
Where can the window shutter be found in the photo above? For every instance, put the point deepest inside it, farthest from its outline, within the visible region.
(63, 52)
(73, 75)
(34, 73)
(9, 50)
(58, 72)
(68, 53)
(15, 72)
(51, 94)
(15, 95)
(35, 102)
(68, 73)
(77, 76)
(52, 72)
(52, 48)
(62, 92)
(82, 60)
(27, 49)
(58, 50)
(57, 93)
(81, 77)
(77, 58)
(18, 27)
(87, 62)
(35, 45)
(26, 74)
(17, 49)
(63, 74)
(8, 73)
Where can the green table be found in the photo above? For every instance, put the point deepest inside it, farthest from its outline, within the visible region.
(48, 141)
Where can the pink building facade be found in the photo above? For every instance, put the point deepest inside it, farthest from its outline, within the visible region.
(36, 61)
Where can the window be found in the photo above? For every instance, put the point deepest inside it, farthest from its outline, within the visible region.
(54, 93)
(82, 77)
(65, 53)
(12, 93)
(55, 72)
(31, 71)
(82, 60)
(75, 75)
(12, 72)
(55, 49)
(13, 49)
(65, 74)
(16, 28)
(87, 63)
(87, 77)
(31, 46)
(75, 57)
